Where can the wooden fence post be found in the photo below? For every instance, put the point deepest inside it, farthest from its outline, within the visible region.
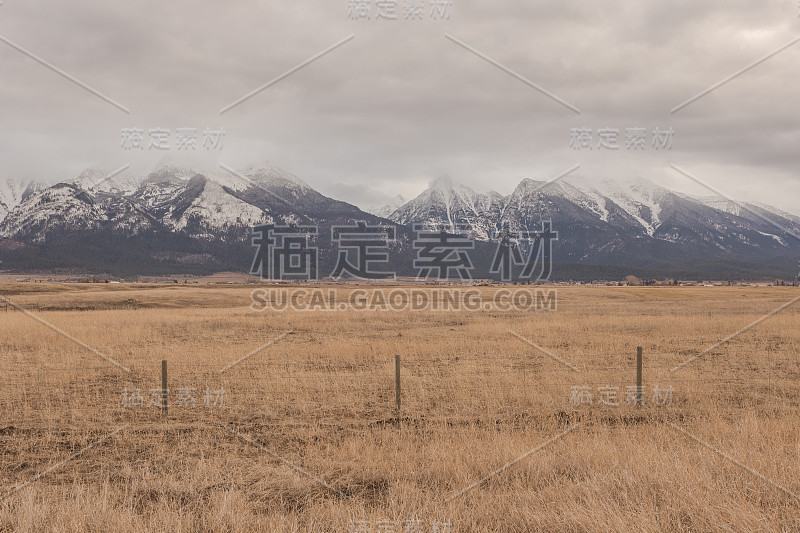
(397, 382)
(639, 390)
(164, 392)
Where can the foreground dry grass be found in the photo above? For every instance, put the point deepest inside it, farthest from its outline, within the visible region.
(307, 439)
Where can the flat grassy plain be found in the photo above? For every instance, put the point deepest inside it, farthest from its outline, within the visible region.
(302, 433)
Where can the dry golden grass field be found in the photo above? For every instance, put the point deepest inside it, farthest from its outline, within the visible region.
(286, 421)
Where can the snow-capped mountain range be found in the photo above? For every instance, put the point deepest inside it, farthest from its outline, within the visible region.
(630, 222)
(177, 211)
(182, 200)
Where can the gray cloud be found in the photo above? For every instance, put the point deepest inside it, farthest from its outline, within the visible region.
(400, 104)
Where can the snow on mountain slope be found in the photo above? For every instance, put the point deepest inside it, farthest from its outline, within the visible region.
(591, 199)
(197, 203)
(13, 192)
(386, 210)
(96, 181)
(447, 203)
(640, 199)
(269, 176)
(788, 216)
(773, 222)
(587, 198)
(162, 186)
(60, 206)
(721, 204)
(91, 180)
(747, 210)
(211, 209)
(525, 200)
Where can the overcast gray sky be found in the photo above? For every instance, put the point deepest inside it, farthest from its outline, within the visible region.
(400, 104)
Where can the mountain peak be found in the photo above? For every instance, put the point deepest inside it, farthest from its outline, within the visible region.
(442, 182)
(94, 180)
(173, 174)
(386, 210)
(269, 175)
(528, 186)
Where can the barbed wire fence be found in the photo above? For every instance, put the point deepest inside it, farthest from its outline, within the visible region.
(399, 388)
